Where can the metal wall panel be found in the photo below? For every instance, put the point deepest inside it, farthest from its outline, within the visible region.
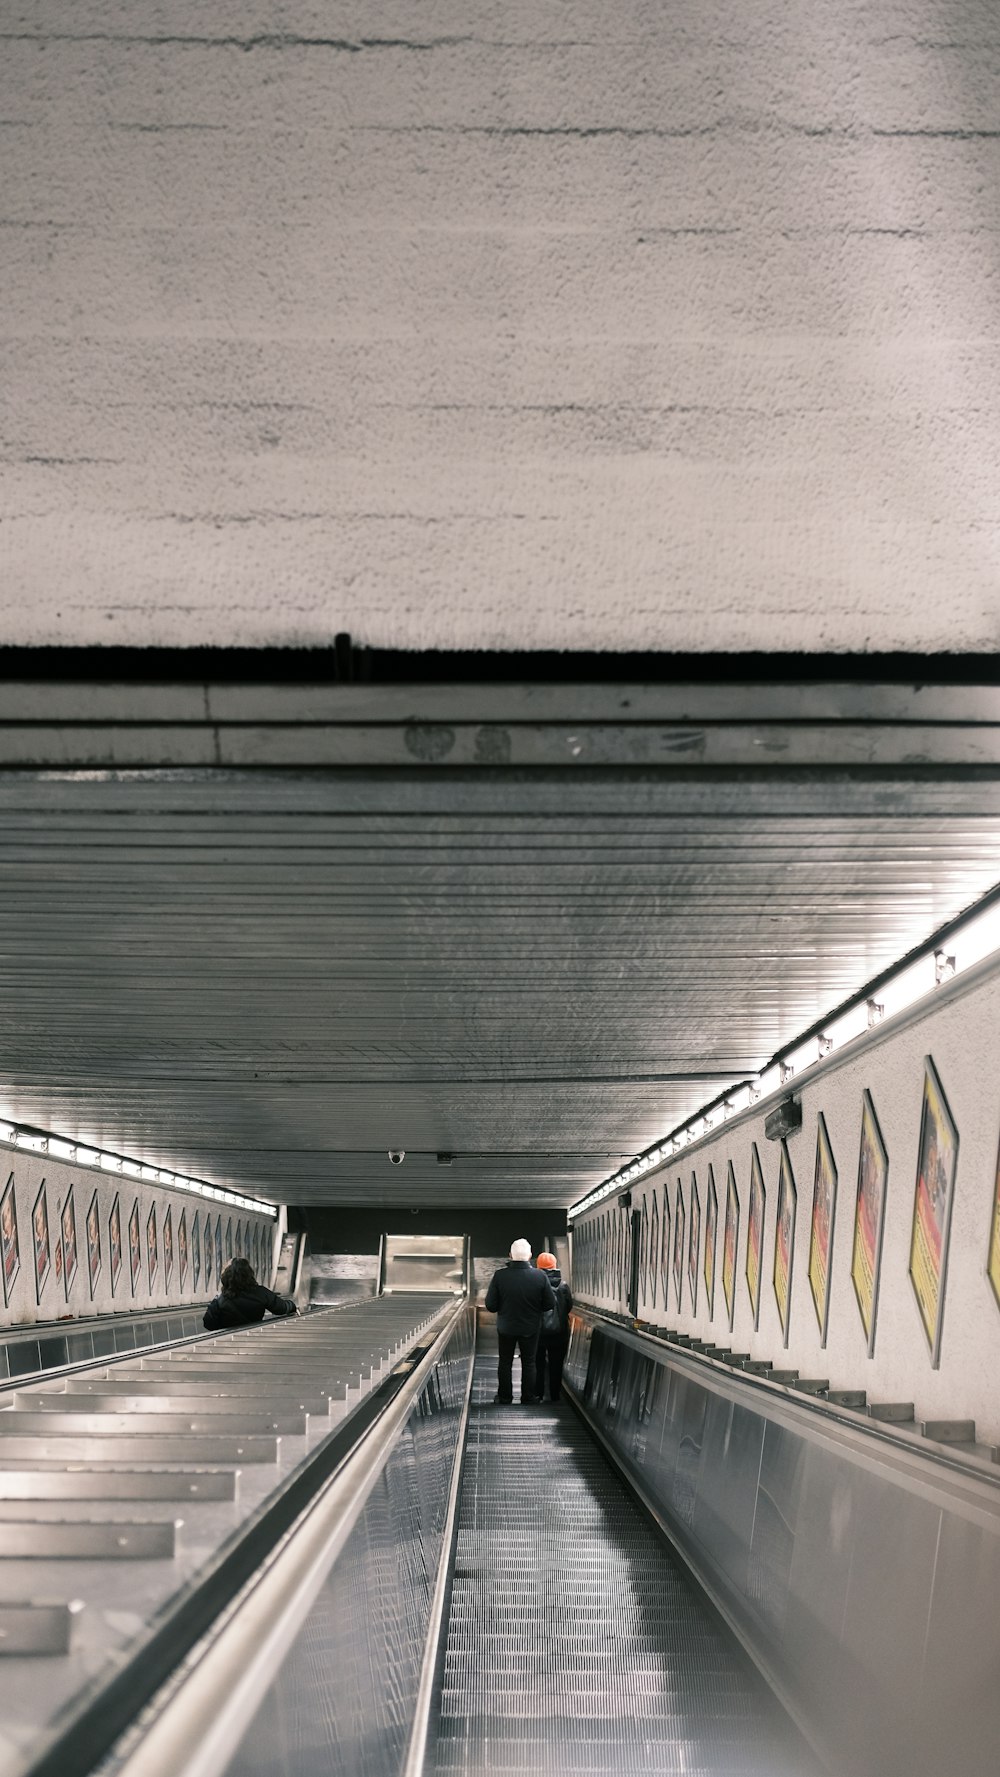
(862, 1575)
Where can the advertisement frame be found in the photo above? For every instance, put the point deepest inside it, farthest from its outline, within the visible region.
(824, 1171)
(756, 1214)
(786, 1213)
(871, 1142)
(937, 1122)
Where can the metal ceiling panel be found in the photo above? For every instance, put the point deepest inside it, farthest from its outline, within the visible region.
(267, 977)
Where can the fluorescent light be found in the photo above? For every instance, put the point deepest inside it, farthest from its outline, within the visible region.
(8, 1132)
(111, 1163)
(62, 1150)
(133, 1168)
(88, 1156)
(37, 1143)
(150, 1173)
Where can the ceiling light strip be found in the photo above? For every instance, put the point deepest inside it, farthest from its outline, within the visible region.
(35, 1141)
(969, 942)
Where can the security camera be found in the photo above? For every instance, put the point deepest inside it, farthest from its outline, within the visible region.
(397, 1156)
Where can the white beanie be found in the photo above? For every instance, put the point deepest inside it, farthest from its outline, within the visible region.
(521, 1249)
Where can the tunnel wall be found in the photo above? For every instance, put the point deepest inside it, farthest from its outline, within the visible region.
(959, 1030)
(57, 1260)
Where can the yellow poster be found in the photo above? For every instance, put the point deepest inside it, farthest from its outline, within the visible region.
(824, 1209)
(932, 1201)
(869, 1217)
(784, 1240)
(993, 1259)
(755, 1234)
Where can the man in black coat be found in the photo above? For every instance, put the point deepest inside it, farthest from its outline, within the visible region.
(518, 1296)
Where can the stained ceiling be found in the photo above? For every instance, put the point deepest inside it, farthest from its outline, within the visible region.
(501, 323)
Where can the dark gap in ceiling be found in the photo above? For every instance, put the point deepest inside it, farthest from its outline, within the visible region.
(345, 662)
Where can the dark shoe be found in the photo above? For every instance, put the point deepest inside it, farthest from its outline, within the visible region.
(502, 1400)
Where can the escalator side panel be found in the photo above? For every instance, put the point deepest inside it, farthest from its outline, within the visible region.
(863, 1578)
(342, 1702)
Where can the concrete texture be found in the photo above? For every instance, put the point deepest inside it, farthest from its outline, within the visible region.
(510, 325)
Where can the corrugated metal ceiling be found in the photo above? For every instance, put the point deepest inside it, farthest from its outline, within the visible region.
(267, 977)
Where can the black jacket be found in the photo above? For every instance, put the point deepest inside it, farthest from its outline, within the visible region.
(519, 1296)
(564, 1302)
(243, 1310)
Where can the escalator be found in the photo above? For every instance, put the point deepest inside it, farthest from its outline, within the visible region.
(429, 1584)
(574, 1643)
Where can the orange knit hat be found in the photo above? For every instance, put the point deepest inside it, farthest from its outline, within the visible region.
(546, 1262)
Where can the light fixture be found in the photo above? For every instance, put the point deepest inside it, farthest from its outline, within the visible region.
(111, 1163)
(944, 967)
(62, 1150)
(27, 1138)
(88, 1156)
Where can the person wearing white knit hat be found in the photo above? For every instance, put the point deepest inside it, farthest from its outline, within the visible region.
(518, 1296)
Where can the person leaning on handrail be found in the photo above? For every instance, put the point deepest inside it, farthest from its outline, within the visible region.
(242, 1300)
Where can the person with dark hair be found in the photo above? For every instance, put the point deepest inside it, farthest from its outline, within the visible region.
(242, 1300)
(553, 1339)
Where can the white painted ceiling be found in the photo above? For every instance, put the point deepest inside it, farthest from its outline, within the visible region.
(515, 324)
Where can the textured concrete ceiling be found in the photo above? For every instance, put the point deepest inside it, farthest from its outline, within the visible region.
(265, 934)
(517, 324)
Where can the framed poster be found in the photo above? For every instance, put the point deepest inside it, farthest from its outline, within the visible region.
(93, 1226)
(824, 1216)
(10, 1248)
(218, 1247)
(239, 1238)
(679, 1243)
(208, 1250)
(229, 1241)
(134, 1245)
(644, 1252)
(784, 1240)
(196, 1251)
(869, 1218)
(729, 1244)
(665, 1247)
(755, 1232)
(115, 1242)
(182, 1249)
(256, 1249)
(694, 1244)
(993, 1253)
(654, 1248)
(67, 1224)
(933, 1195)
(152, 1247)
(40, 1241)
(168, 1246)
(711, 1233)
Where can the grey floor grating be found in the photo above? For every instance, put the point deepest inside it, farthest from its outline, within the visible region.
(574, 1645)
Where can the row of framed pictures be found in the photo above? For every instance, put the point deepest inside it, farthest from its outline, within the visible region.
(202, 1246)
(671, 1246)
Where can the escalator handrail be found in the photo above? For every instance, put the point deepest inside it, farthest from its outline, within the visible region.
(241, 1616)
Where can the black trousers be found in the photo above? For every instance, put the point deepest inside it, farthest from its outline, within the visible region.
(551, 1356)
(526, 1343)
